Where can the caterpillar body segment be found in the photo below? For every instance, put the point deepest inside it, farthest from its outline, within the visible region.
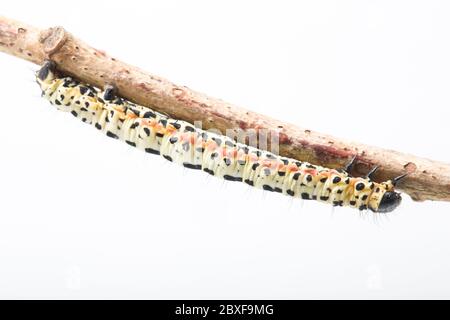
(182, 143)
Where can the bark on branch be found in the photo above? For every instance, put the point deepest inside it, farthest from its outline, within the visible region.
(427, 180)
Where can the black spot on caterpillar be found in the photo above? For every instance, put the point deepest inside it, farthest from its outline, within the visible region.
(182, 143)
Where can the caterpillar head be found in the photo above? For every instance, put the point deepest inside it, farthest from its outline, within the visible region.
(385, 199)
(389, 201)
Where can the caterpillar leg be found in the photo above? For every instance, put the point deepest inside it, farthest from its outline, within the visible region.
(396, 180)
(349, 166)
(370, 174)
(109, 93)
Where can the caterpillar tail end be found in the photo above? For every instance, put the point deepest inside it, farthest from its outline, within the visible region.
(47, 67)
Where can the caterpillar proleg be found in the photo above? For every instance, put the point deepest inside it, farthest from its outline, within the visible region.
(181, 142)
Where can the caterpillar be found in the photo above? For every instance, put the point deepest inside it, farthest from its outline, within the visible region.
(181, 142)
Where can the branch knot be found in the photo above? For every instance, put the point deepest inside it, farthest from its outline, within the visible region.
(53, 39)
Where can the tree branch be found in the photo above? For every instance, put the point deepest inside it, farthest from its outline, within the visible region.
(427, 180)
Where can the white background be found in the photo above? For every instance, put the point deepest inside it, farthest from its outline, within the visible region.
(84, 216)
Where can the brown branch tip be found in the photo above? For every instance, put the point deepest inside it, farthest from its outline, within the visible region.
(427, 179)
